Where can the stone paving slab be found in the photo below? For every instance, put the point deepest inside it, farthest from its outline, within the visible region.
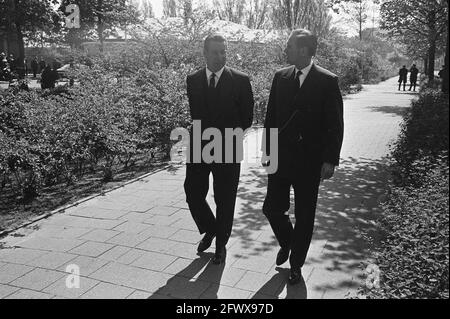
(139, 241)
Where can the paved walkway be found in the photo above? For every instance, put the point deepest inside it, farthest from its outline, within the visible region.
(140, 241)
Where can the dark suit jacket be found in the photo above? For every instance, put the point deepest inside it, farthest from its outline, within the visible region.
(234, 108)
(309, 120)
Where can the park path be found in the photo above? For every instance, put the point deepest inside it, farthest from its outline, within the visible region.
(139, 241)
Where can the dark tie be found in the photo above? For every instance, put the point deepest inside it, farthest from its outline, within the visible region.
(297, 79)
(212, 81)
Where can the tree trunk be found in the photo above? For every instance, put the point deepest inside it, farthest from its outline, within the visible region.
(100, 27)
(431, 44)
(15, 43)
(425, 65)
(431, 60)
(445, 76)
(287, 7)
(21, 53)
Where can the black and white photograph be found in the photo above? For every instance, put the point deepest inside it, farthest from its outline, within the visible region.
(217, 156)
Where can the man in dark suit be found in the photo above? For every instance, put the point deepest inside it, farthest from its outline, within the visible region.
(306, 107)
(402, 77)
(221, 98)
(413, 72)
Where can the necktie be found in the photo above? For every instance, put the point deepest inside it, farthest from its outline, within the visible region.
(297, 79)
(212, 81)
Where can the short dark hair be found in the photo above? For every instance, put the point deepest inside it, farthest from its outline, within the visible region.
(216, 37)
(305, 38)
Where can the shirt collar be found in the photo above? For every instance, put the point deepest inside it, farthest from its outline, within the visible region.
(305, 70)
(218, 74)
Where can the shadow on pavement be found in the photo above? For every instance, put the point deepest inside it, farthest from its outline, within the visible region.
(395, 110)
(200, 279)
(345, 227)
(286, 291)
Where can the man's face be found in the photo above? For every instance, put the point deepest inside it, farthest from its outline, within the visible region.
(215, 55)
(295, 51)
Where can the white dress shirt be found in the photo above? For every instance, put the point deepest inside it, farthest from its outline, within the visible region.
(218, 75)
(305, 72)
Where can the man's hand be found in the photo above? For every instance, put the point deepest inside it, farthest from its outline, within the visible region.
(327, 171)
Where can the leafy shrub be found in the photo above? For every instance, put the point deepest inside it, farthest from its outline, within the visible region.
(424, 136)
(414, 255)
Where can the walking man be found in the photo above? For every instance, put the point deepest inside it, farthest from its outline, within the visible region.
(34, 66)
(403, 77)
(413, 72)
(305, 104)
(219, 97)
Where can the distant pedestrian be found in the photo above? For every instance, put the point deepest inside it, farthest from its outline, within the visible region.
(48, 78)
(34, 66)
(413, 72)
(403, 77)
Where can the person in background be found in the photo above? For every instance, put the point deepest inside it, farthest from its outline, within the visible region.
(34, 66)
(413, 72)
(48, 78)
(403, 77)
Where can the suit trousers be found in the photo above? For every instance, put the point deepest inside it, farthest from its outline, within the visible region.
(225, 185)
(297, 237)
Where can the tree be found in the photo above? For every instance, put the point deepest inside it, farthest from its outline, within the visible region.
(102, 17)
(230, 10)
(24, 21)
(144, 7)
(423, 21)
(445, 79)
(310, 14)
(257, 13)
(357, 11)
(170, 8)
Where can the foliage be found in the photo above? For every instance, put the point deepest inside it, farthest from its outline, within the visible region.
(414, 255)
(99, 17)
(106, 121)
(421, 25)
(425, 134)
(29, 16)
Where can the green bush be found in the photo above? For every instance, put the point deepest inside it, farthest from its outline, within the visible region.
(103, 123)
(424, 136)
(414, 255)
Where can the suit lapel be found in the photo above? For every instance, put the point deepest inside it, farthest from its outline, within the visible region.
(289, 81)
(202, 83)
(308, 87)
(289, 92)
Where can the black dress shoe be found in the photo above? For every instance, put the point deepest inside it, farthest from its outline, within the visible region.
(295, 276)
(219, 256)
(205, 243)
(282, 256)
